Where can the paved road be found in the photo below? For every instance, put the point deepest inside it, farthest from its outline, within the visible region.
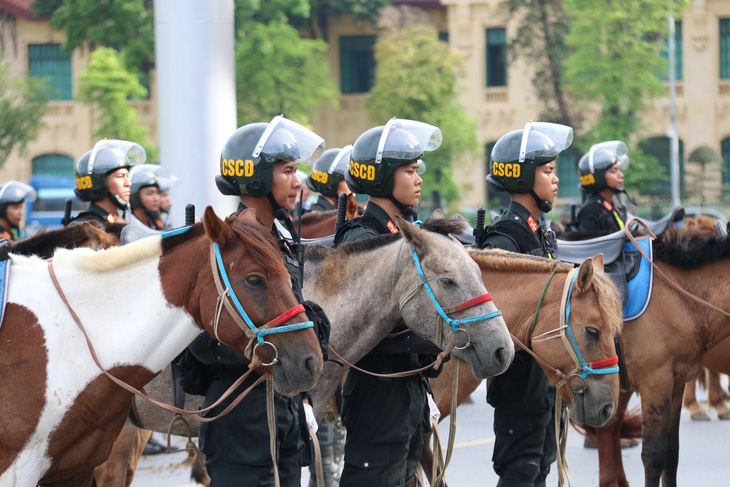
(704, 451)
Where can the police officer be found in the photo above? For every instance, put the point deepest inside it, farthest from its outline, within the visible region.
(166, 182)
(523, 164)
(600, 171)
(328, 178)
(258, 165)
(13, 196)
(144, 197)
(102, 177)
(385, 418)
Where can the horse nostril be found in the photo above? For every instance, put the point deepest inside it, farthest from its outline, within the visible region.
(310, 365)
(607, 412)
(500, 356)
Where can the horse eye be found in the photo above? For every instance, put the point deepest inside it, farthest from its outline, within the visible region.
(446, 281)
(254, 280)
(593, 332)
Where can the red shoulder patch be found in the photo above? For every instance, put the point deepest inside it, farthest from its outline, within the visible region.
(533, 225)
(111, 218)
(392, 227)
(607, 205)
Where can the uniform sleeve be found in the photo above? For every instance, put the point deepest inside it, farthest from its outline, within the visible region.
(500, 242)
(358, 233)
(589, 219)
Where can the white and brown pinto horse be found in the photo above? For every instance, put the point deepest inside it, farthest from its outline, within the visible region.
(141, 305)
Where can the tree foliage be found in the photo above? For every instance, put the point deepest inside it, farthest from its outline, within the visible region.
(23, 102)
(279, 72)
(107, 85)
(417, 78)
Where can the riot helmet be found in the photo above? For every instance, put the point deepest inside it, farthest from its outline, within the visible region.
(517, 154)
(14, 192)
(329, 170)
(378, 152)
(251, 152)
(106, 157)
(141, 177)
(593, 165)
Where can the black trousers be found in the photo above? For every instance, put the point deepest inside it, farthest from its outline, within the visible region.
(385, 421)
(524, 408)
(237, 445)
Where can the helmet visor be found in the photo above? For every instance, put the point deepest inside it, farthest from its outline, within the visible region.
(342, 160)
(133, 152)
(15, 192)
(614, 149)
(420, 134)
(533, 148)
(289, 141)
(144, 175)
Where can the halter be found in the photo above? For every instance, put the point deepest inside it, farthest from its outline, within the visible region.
(454, 324)
(273, 326)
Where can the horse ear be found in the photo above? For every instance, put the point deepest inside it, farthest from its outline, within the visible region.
(437, 214)
(216, 229)
(598, 262)
(352, 210)
(585, 275)
(410, 232)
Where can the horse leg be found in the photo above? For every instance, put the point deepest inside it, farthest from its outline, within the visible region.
(697, 412)
(118, 470)
(714, 395)
(427, 458)
(661, 407)
(608, 438)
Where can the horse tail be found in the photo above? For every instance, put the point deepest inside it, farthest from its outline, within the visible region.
(702, 379)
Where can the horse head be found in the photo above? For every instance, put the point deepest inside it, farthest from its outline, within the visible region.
(452, 283)
(589, 308)
(244, 257)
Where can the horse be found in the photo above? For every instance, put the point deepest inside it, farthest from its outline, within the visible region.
(680, 331)
(60, 414)
(84, 234)
(595, 316)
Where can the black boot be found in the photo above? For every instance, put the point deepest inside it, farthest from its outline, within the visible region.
(521, 473)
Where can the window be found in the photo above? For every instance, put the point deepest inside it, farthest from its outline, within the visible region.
(725, 48)
(496, 57)
(658, 147)
(357, 63)
(53, 165)
(677, 53)
(725, 150)
(48, 62)
(444, 37)
(567, 172)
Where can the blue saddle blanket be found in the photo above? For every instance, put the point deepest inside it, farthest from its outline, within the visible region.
(639, 288)
(4, 273)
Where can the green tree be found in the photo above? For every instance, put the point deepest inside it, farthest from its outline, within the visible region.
(279, 72)
(23, 102)
(417, 78)
(324, 10)
(107, 85)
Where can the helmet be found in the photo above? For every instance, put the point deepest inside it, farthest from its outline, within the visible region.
(381, 150)
(93, 167)
(593, 165)
(517, 154)
(250, 153)
(141, 177)
(14, 192)
(329, 170)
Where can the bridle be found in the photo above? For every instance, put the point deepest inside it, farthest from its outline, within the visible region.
(443, 312)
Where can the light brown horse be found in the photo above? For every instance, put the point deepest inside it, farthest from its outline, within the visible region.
(60, 415)
(680, 331)
(595, 315)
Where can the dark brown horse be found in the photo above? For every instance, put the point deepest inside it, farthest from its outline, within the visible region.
(680, 330)
(60, 414)
(595, 315)
(83, 234)
(317, 224)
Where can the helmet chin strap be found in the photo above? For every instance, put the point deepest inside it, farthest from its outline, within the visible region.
(408, 212)
(544, 206)
(118, 202)
(153, 216)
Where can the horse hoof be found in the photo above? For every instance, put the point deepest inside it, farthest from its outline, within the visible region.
(588, 443)
(626, 443)
(699, 416)
(724, 415)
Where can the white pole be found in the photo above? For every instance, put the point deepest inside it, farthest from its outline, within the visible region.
(674, 137)
(196, 86)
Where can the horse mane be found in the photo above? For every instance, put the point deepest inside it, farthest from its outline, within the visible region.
(608, 296)
(691, 245)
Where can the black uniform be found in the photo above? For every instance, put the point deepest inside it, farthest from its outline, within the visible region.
(322, 204)
(385, 418)
(95, 213)
(236, 445)
(522, 397)
(597, 213)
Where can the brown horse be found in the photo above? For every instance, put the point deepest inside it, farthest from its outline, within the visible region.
(60, 415)
(318, 224)
(595, 315)
(680, 331)
(83, 234)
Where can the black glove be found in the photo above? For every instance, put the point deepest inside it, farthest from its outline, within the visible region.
(316, 314)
